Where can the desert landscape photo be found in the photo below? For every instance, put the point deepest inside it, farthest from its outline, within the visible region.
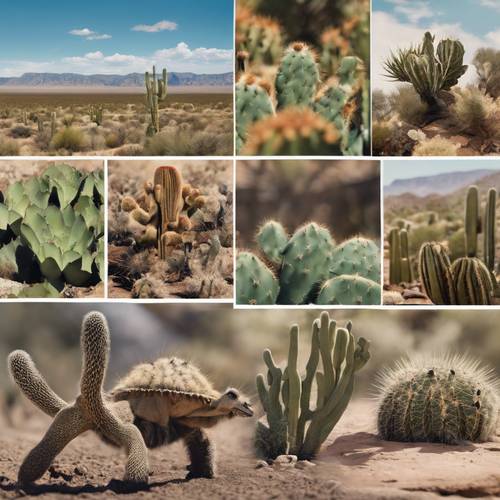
(127, 85)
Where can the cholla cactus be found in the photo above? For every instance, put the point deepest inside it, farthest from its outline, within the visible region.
(90, 411)
(447, 399)
(429, 72)
(299, 268)
(291, 425)
(161, 215)
(156, 91)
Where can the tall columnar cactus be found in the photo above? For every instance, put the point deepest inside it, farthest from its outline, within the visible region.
(490, 230)
(291, 424)
(444, 399)
(473, 282)
(472, 221)
(156, 91)
(297, 77)
(96, 114)
(427, 70)
(395, 275)
(253, 103)
(436, 275)
(406, 270)
(90, 411)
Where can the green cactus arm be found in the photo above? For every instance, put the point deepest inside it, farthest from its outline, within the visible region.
(490, 230)
(67, 425)
(472, 221)
(326, 341)
(274, 378)
(294, 388)
(342, 339)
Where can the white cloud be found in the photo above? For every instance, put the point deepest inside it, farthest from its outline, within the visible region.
(154, 28)
(413, 10)
(390, 33)
(494, 4)
(202, 54)
(494, 37)
(88, 34)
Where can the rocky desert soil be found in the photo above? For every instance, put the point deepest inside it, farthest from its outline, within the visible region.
(354, 464)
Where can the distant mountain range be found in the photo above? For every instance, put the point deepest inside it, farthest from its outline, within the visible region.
(130, 80)
(441, 184)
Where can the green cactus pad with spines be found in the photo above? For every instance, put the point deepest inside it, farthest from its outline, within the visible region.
(447, 399)
(297, 77)
(473, 282)
(255, 283)
(272, 239)
(359, 256)
(252, 104)
(330, 104)
(307, 259)
(349, 290)
(436, 274)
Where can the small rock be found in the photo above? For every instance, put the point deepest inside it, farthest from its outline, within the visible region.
(284, 461)
(413, 294)
(261, 464)
(459, 139)
(392, 298)
(304, 464)
(80, 470)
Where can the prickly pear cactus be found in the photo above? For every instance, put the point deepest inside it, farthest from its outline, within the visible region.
(446, 399)
(349, 290)
(359, 256)
(252, 104)
(297, 76)
(255, 283)
(272, 239)
(307, 258)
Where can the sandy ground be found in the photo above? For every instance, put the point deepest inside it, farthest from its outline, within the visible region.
(354, 464)
(180, 89)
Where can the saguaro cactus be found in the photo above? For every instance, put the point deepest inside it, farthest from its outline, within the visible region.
(406, 271)
(291, 426)
(394, 257)
(472, 221)
(490, 230)
(156, 91)
(435, 274)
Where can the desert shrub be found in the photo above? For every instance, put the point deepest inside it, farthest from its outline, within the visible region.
(142, 119)
(408, 105)
(381, 133)
(68, 120)
(436, 146)
(43, 139)
(189, 107)
(5, 124)
(115, 139)
(97, 141)
(69, 138)
(129, 150)
(134, 135)
(474, 112)
(8, 147)
(20, 132)
(420, 234)
(487, 63)
(456, 244)
(122, 118)
(380, 105)
(5, 113)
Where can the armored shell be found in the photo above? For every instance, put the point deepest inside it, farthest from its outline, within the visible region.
(167, 388)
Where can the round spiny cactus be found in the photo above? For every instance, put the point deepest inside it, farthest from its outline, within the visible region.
(446, 399)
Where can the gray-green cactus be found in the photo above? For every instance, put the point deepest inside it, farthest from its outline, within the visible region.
(156, 91)
(436, 274)
(291, 425)
(427, 70)
(272, 239)
(297, 77)
(489, 239)
(444, 399)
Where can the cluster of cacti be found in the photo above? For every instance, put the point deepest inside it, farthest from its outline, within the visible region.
(282, 106)
(53, 125)
(96, 113)
(162, 214)
(308, 267)
(429, 71)
(113, 422)
(400, 268)
(156, 91)
(52, 227)
(291, 425)
(468, 280)
(444, 399)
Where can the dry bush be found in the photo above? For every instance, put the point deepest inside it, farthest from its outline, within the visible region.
(20, 132)
(381, 133)
(8, 147)
(487, 63)
(475, 112)
(130, 150)
(380, 105)
(407, 104)
(437, 146)
(69, 138)
(68, 120)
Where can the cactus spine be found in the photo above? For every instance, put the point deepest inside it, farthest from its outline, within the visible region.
(445, 399)
(490, 230)
(156, 91)
(290, 424)
(472, 221)
(436, 274)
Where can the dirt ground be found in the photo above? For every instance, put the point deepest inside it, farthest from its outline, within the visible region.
(354, 464)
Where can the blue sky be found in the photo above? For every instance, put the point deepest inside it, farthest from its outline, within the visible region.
(409, 169)
(399, 23)
(117, 36)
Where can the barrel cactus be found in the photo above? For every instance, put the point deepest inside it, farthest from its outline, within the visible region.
(291, 425)
(473, 282)
(446, 399)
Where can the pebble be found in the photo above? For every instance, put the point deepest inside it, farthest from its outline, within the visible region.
(304, 464)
